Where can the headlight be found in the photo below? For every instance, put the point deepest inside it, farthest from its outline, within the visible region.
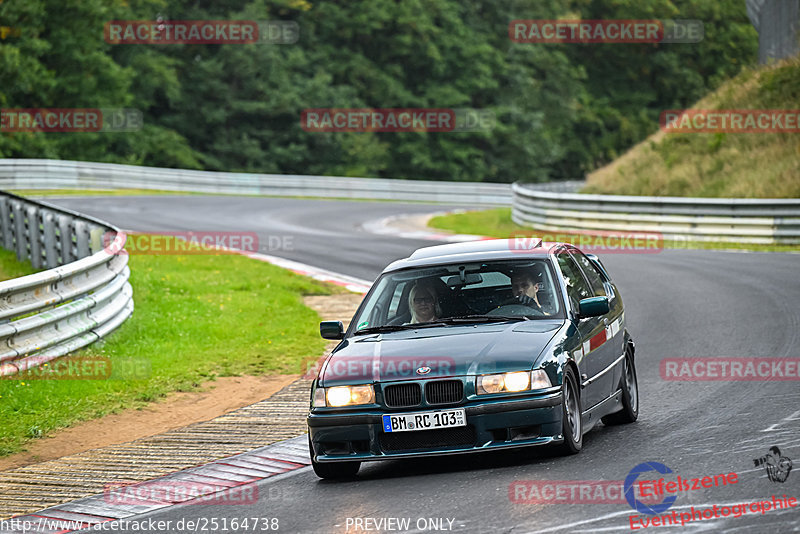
(344, 396)
(512, 382)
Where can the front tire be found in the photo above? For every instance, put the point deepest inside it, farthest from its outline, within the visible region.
(335, 470)
(572, 421)
(630, 395)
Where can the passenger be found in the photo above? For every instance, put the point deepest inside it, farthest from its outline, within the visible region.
(525, 286)
(423, 303)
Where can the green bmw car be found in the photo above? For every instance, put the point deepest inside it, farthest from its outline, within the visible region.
(473, 347)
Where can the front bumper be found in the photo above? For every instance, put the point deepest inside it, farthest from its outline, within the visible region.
(491, 424)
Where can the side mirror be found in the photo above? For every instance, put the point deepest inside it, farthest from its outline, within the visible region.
(335, 329)
(593, 307)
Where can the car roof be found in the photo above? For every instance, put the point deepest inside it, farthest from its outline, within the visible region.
(481, 250)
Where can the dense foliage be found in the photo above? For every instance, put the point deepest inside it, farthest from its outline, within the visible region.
(561, 109)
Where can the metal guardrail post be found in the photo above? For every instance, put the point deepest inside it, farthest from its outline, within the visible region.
(766, 221)
(82, 297)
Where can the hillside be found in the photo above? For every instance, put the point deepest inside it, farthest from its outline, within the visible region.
(748, 165)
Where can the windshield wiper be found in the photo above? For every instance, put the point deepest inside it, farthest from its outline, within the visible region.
(462, 319)
(484, 318)
(397, 327)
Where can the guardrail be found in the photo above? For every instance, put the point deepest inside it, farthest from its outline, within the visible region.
(55, 174)
(767, 221)
(83, 296)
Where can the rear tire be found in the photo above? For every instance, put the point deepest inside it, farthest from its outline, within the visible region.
(630, 395)
(334, 470)
(572, 421)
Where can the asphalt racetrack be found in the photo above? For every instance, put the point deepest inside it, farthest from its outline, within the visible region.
(679, 303)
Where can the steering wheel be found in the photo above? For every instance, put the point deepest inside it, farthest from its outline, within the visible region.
(514, 307)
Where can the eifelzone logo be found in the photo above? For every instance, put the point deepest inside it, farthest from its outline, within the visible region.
(777, 467)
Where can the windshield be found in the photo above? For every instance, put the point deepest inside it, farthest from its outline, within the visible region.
(462, 292)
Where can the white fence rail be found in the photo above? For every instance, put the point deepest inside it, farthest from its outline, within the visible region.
(83, 296)
(55, 174)
(767, 221)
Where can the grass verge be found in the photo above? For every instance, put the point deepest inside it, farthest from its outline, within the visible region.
(739, 165)
(497, 223)
(196, 317)
(10, 267)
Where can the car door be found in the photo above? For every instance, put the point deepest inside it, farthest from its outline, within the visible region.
(613, 348)
(592, 332)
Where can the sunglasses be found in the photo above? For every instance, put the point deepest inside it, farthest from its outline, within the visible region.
(423, 300)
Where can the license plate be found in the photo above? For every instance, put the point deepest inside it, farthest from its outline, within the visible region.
(408, 422)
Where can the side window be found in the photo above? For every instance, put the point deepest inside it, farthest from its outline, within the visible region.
(394, 305)
(576, 285)
(595, 278)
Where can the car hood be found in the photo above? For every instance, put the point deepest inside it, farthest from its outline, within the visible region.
(438, 352)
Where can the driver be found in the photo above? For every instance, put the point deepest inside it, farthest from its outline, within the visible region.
(525, 286)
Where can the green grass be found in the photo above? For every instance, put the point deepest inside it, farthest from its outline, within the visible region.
(746, 165)
(10, 267)
(497, 223)
(493, 223)
(196, 317)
